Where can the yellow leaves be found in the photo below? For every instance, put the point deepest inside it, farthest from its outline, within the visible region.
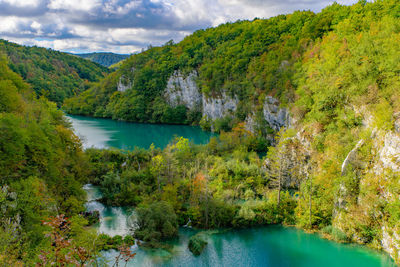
(158, 161)
(181, 145)
(383, 115)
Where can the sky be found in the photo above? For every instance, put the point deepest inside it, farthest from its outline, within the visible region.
(127, 26)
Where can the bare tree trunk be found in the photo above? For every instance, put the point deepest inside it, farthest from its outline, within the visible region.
(138, 163)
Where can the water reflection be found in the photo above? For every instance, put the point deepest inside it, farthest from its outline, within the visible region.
(103, 133)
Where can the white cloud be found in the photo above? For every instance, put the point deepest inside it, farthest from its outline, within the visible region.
(36, 25)
(21, 3)
(85, 5)
(126, 26)
(8, 24)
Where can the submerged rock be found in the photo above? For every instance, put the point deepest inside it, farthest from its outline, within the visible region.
(197, 244)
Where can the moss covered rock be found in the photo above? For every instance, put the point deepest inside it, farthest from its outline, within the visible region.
(197, 244)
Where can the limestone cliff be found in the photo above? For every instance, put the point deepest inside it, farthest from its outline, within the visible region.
(218, 107)
(367, 183)
(381, 171)
(125, 82)
(182, 90)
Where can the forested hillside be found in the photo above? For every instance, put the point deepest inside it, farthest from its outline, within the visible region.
(42, 167)
(53, 74)
(104, 59)
(243, 61)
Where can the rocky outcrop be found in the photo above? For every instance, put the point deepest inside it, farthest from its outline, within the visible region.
(389, 155)
(276, 116)
(391, 242)
(125, 82)
(123, 85)
(215, 108)
(183, 90)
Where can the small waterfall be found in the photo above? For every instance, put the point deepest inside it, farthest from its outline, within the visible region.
(113, 220)
(187, 224)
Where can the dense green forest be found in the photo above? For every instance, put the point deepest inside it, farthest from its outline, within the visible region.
(334, 171)
(54, 74)
(42, 167)
(104, 59)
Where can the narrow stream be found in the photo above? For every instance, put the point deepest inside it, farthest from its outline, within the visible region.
(113, 220)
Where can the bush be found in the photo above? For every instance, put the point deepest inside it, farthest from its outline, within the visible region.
(197, 244)
(156, 222)
(223, 124)
(335, 233)
(205, 123)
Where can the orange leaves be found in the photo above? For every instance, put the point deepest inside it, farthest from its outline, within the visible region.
(124, 253)
(240, 130)
(199, 183)
(63, 250)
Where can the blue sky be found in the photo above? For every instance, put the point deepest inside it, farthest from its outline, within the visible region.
(127, 26)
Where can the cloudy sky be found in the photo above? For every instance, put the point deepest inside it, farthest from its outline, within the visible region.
(126, 26)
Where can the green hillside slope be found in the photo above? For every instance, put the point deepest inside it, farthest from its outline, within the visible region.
(51, 73)
(246, 60)
(42, 169)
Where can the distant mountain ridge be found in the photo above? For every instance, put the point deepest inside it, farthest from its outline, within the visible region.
(104, 58)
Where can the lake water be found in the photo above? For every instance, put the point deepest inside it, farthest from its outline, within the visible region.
(106, 133)
(261, 246)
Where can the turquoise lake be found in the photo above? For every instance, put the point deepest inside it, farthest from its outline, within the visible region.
(260, 246)
(105, 133)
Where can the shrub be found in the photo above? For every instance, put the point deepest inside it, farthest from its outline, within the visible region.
(335, 233)
(156, 222)
(197, 244)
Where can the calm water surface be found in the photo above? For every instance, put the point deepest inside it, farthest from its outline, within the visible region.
(104, 133)
(263, 246)
(274, 246)
(260, 246)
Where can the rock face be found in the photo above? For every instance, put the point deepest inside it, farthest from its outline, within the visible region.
(391, 242)
(183, 90)
(386, 151)
(123, 86)
(276, 116)
(390, 153)
(124, 82)
(215, 108)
